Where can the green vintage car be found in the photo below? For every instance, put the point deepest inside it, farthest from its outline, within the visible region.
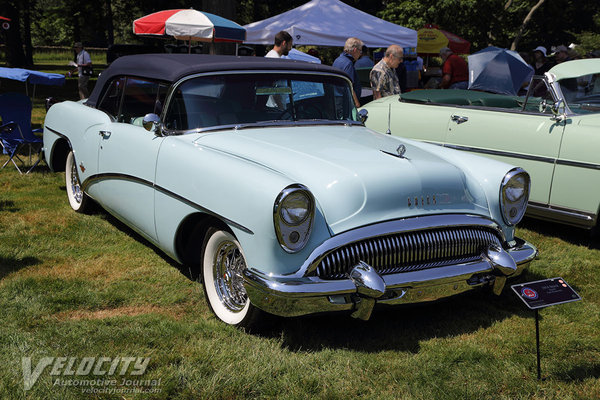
(553, 132)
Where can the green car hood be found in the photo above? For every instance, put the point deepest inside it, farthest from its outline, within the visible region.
(355, 174)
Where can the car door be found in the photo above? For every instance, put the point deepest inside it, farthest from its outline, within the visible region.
(526, 136)
(127, 156)
(528, 140)
(576, 186)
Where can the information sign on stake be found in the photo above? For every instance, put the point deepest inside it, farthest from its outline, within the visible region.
(541, 294)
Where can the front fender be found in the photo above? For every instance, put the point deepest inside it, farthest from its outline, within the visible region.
(191, 178)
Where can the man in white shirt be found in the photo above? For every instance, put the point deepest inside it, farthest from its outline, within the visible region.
(283, 45)
(84, 70)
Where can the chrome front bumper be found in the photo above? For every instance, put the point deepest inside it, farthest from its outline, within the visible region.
(364, 287)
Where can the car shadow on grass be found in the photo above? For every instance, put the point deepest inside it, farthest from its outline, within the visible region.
(401, 328)
(9, 265)
(8, 206)
(570, 234)
(580, 373)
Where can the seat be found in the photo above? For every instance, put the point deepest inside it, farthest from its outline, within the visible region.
(16, 132)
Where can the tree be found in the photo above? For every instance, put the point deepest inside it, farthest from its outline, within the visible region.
(15, 56)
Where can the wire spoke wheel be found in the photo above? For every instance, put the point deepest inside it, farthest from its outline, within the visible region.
(223, 265)
(228, 265)
(78, 200)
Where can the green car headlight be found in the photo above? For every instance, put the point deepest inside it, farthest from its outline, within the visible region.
(514, 194)
(293, 214)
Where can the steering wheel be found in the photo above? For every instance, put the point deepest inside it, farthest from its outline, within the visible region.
(285, 115)
(309, 111)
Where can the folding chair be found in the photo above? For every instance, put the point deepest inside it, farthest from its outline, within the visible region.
(16, 132)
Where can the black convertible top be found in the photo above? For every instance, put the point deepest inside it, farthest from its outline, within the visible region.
(172, 67)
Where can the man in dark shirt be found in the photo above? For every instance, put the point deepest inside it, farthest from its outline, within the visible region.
(455, 72)
(345, 62)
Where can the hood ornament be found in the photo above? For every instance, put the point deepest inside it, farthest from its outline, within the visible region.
(401, 150)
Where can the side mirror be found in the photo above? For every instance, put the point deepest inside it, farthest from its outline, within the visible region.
(363, 115)
(50, 101)
(151, 122)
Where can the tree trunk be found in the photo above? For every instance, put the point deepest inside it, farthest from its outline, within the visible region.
(110, 28)
(225, 9)
(15, 57)
(515, 42)
(27, 32)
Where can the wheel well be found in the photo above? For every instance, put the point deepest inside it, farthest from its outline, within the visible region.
(58, 156)
(190, 237)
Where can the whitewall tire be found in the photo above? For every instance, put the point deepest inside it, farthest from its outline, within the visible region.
(78, 200)
(223, 263)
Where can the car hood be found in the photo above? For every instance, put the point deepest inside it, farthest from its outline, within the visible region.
(355, 174)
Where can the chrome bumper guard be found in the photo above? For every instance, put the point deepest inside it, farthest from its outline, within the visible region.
(365, 287)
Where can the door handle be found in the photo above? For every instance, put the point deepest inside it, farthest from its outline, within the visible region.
(104, 134)
(459, 119)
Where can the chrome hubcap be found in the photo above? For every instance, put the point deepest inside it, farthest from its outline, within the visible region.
(228, 265)
(75, 186)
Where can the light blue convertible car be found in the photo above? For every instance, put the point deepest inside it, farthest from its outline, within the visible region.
(260, 175)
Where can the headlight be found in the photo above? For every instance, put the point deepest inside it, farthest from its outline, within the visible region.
(514, 194)
(293, 214)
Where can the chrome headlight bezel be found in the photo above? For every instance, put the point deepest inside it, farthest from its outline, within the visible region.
(293, 235)
(514, 195)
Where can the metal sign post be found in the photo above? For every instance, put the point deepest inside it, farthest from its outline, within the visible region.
(541, 294)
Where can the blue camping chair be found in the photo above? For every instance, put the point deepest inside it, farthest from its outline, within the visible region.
(16, 132)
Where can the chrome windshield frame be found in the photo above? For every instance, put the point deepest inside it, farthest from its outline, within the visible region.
(167, 132)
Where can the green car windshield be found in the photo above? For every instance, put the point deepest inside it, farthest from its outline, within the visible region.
(258, 98)
(582, 94)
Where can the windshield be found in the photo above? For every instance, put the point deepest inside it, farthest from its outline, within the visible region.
(235, 99)
(582, 94)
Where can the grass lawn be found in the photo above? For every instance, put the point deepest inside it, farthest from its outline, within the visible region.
(76, 285)
(80, 286)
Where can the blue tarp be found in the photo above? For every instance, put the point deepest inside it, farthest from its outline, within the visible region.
(33, 77)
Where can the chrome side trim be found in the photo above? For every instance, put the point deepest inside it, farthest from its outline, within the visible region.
(124, 177)
(502, 153)
(578, 164)
(521, 156)
(566, 216)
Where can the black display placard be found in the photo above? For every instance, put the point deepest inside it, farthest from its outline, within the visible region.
(544, 293)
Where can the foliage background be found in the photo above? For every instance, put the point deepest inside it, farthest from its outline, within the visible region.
(99, 23)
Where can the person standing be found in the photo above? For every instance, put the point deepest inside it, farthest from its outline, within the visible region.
(83, 62)
(282, 47)
(455, 72)
(562, 54)
(364, 61)
(540, 62)
(345, 62)
(383, 77)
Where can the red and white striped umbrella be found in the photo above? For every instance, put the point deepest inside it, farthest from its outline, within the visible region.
(190, 25)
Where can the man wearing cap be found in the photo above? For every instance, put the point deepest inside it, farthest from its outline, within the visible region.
(455, 72)
(84, 69)
(540, 62)
(561, 54)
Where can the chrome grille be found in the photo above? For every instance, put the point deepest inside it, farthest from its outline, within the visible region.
(409, 251)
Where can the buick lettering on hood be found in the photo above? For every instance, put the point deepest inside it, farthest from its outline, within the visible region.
(260, 175)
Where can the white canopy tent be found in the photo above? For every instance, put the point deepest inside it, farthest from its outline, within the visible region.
(330, 23)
